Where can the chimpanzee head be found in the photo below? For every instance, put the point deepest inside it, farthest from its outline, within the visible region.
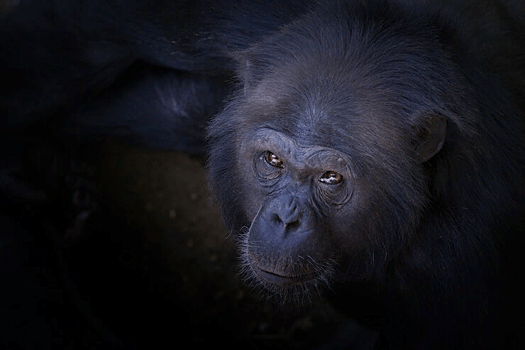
(321, 159)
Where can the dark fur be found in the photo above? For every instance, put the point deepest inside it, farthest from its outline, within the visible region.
(426, 242)
(433, 231)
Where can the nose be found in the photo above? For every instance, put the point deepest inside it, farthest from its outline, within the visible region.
(286, 214)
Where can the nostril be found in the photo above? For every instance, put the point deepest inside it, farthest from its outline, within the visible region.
(277, 219)
(289, 221)
(291, 225)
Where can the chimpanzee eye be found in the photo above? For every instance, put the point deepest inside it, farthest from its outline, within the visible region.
(273, 160)
(331, 178)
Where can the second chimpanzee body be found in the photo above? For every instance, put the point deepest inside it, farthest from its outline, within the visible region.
(373, 149)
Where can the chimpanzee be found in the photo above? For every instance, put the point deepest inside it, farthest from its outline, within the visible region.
(369, 151)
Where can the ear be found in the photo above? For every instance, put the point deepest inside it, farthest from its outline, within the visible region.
(431, 138)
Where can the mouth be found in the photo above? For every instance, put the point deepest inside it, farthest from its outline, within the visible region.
(282, 280)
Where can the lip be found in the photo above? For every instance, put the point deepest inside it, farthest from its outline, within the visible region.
(278, 279)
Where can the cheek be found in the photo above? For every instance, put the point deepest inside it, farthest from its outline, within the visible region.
(349, 227)
(251, 197)
(344, 233)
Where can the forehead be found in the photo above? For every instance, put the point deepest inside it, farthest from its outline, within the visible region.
(368, 78)
(355, 94)
(319, 109)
